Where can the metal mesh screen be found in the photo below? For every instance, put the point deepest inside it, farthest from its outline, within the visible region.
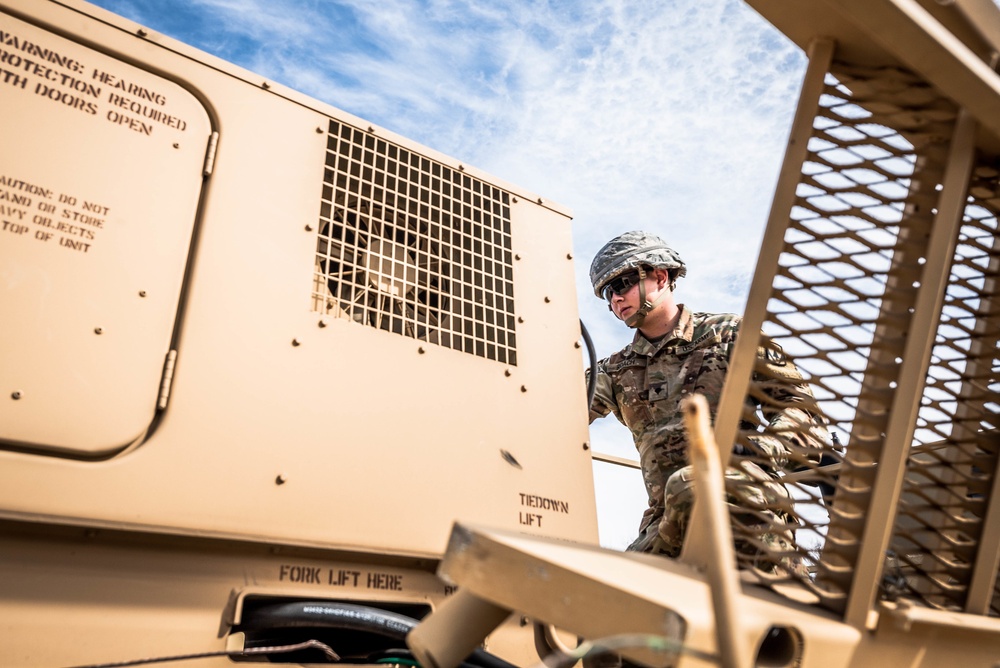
(954, 457)
(841, 310)
(414, 247)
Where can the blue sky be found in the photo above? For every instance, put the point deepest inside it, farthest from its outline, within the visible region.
(666, 116)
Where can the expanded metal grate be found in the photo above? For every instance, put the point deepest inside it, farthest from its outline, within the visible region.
(954, 460)
(841, 310)
(414, 247)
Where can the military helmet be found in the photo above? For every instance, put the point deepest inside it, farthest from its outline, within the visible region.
(630, 251)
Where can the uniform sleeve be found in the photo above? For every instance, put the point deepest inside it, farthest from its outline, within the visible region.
(604, 395)
(795, 433)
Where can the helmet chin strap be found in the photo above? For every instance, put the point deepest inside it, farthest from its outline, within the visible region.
(645, 306)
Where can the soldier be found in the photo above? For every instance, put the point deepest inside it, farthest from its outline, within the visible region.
(676, 352)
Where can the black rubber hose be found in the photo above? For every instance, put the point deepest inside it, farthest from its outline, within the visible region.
(351, 617)
(592, 376)
(324, 614)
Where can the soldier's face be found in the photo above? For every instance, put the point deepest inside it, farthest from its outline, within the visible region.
(625, 303)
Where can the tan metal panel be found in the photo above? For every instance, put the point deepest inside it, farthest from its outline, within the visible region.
(344, 435)
(114, 597)
(100, 176)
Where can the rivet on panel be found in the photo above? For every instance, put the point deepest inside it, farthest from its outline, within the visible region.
(319, 131)
(296, 342)
(142, 293)
(421, 350)
(322, 323)
(520, 319)
(548, 301)
(177, 145)
(514, 200)
(280, 479)
(569, 256)
(506, 372)
(309, 228)
(98, 330)
(15, 395)
(517, 256)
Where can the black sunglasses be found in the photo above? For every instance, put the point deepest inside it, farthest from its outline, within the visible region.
(621, 284)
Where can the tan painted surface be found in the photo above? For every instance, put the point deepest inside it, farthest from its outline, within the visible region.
(286, 429)
(332, 411)
(277, 428)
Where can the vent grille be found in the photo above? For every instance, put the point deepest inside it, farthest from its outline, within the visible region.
(843, 306)
(413, 247)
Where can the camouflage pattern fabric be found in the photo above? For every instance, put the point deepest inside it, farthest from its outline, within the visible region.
(756, 501)
(643, 385)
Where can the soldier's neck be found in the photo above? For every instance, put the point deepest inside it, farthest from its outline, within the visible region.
(661, 320)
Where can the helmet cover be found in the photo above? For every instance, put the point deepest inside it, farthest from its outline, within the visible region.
(630, 251)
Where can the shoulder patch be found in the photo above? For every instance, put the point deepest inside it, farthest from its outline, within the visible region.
(773, 354)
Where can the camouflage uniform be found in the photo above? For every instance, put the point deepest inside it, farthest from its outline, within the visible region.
(643, 386)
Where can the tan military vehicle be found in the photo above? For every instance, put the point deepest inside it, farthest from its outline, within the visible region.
(256, 353)
(261, 358)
